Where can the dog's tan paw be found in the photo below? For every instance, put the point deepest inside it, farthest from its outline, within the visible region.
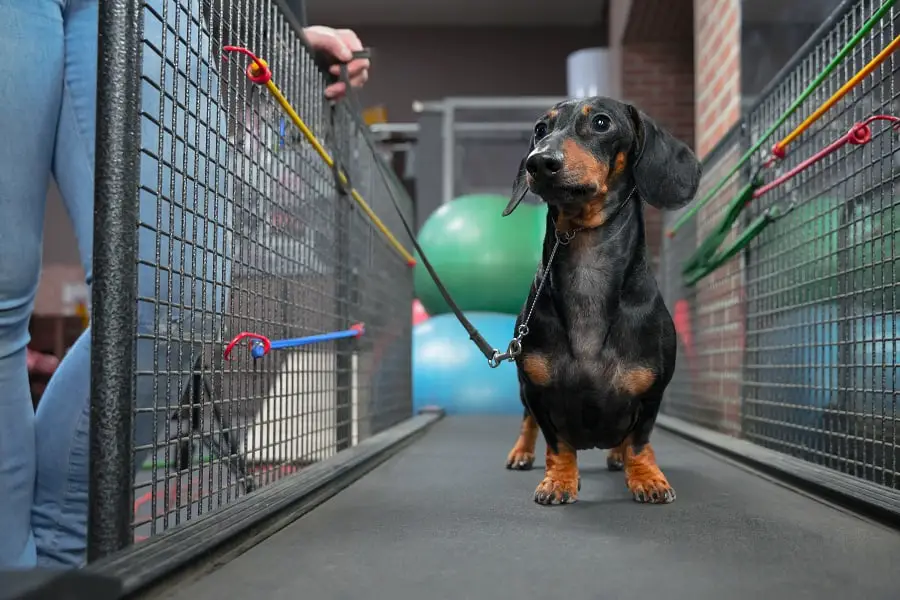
(520, 459)
(644, 478)
(615, 460)
(557, 491)
(653, 490)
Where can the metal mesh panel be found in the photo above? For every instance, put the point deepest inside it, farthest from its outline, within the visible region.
(821, 332)
(809, 310)
(242, 228)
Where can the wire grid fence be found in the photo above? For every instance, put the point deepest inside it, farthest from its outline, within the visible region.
(243, 228)
(810, 309)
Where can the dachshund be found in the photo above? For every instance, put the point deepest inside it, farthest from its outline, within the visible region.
(598, 345)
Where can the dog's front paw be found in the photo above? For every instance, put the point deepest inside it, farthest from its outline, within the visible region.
(520, 459)
(644, 478)
(652, 487)
(557, 490)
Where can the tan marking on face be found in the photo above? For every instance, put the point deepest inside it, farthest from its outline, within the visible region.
(586, 109)
(583, 167)
(592, 214)
(619, 166)
(553, 114)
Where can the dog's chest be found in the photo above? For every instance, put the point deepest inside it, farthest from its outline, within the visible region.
(584, 310)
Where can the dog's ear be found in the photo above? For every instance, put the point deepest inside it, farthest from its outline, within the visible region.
(520, 186)
(666, 171)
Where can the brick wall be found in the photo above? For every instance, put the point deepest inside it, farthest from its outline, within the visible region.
(707, 386)
(657, 76)
(717, 59)
(718, 301)
(680, 63)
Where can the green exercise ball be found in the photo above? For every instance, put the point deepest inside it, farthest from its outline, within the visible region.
(821, 248)
(802, 249)
(485, 260)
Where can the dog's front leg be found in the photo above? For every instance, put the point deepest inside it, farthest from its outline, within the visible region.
(644, 478)
(561, 480)
(521, 457)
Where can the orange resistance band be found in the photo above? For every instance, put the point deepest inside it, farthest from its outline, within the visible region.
(259, 73)
(780, 147)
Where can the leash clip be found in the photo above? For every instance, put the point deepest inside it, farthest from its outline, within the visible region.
(564, 237)
(513, 350)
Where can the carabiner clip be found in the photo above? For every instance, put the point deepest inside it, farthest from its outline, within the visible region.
(512, 351)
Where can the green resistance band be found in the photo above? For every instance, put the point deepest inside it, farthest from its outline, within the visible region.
(848, 47)
(707, 258)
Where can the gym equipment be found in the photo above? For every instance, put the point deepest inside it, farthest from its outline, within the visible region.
(486, 261)
(419, 314)
(450, 372)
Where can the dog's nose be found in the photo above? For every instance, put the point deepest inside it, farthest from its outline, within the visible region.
(544, 164)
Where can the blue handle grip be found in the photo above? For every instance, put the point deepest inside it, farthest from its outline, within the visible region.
(258, 350)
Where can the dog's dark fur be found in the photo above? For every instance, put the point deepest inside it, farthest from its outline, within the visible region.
(601, 346)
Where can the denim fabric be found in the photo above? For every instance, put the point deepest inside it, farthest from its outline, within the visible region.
(48, 97)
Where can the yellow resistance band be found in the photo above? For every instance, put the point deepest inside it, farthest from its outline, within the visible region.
(256, 72)
(780, 147)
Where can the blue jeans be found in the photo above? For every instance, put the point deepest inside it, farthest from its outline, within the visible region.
(47, 121)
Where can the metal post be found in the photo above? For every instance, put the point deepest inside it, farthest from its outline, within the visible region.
(448, 172)
(343, 349)
(114, 297)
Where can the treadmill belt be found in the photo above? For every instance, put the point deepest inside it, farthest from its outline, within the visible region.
(444, 519)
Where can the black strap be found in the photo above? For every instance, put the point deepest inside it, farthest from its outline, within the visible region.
(344, 185)
(390, 181)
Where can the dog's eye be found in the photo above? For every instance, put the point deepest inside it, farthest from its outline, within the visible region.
(600, 123)
(540, 130)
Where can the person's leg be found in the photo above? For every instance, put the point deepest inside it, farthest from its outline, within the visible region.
(30, 34)
(61, 502)
(59, 516)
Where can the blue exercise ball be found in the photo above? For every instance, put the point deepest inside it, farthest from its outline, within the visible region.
(450, 372)
(798, 371)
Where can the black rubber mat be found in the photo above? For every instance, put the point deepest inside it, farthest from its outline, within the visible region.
(445, 520)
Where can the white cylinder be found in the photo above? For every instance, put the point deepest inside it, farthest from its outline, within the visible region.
(588, 73)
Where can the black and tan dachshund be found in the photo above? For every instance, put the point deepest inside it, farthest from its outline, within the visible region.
(600, 344)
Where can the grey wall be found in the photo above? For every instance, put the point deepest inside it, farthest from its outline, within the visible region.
(430, 63)
(765, 49)
(772, 32)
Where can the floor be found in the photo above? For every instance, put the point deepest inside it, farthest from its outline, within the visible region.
(444, 520)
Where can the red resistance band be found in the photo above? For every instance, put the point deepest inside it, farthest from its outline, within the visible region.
(859, 134)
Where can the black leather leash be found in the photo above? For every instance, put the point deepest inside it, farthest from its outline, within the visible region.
(494, 357)
(390, 181)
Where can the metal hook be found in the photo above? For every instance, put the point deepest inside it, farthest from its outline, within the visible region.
(258, 340)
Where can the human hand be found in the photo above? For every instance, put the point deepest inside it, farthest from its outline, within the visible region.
(39, 363)
(339, 44)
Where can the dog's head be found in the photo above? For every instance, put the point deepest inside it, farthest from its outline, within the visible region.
(582, 148)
